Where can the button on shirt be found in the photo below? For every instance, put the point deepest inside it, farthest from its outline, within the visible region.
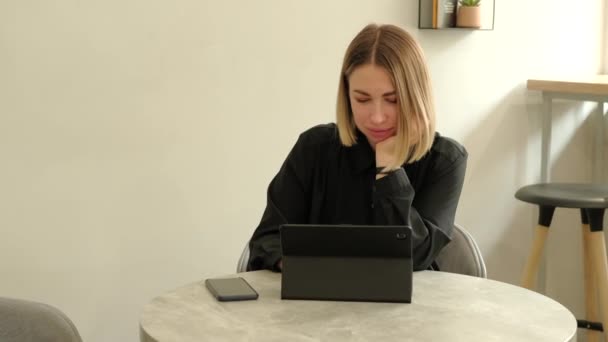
(324, 182)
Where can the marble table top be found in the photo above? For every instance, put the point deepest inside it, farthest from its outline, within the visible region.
(445, 307)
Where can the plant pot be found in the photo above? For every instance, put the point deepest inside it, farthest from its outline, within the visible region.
(469, 16)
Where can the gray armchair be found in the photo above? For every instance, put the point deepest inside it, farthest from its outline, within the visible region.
(461, 255)
(25, 321)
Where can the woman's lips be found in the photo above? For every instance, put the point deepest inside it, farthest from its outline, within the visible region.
(380, 134)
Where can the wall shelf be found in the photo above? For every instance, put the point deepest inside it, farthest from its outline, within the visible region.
(442, 14)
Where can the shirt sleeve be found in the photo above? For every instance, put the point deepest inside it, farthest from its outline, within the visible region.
(430, 212)
(288, 200)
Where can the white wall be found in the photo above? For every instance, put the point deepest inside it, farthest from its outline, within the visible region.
(605, 38)
(138, 137)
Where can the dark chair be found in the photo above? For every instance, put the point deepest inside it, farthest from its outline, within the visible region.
(461, 255)
(592, 201)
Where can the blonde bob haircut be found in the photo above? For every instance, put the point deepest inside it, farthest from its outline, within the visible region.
(395, 50)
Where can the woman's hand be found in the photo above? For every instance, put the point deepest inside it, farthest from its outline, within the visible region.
(385, 152)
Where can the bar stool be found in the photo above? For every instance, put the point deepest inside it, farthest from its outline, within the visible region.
(592, 200)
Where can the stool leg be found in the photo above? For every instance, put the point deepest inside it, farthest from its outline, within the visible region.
(591, 300)
(545, 215)
(598, 261)
(598, 256)
(531, 268)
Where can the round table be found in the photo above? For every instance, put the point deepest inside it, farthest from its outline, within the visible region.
(445, 307)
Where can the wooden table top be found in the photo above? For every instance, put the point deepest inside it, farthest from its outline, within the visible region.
(595, 85)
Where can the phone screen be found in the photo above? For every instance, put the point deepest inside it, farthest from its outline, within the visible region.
(230, 289)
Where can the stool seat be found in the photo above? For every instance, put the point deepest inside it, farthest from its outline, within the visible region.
(565, 195)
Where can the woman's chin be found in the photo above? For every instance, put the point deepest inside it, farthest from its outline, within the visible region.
(374, 141)
(378, 139)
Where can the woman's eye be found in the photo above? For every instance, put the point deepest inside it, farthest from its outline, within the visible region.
(391, 99)
(362, 100)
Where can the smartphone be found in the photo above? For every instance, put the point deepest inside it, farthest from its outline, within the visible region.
(231, 289)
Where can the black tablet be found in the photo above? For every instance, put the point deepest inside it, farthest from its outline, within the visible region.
(347, 262)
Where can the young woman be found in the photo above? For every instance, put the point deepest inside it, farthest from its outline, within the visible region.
(382, 162)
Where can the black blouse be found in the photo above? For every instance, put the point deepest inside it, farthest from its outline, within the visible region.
(324, 182)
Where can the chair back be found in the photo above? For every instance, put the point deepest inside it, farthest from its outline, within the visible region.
(241, 266)
(461, 255)
(23, 320)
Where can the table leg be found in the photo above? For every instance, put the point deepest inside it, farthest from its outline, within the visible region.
(545, 139)
(545, 154)
(598, 160)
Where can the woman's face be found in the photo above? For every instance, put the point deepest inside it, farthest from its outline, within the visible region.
(374, 102)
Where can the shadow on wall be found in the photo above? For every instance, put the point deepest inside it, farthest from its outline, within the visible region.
(504, 154)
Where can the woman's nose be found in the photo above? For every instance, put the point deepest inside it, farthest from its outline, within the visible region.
(377, 115)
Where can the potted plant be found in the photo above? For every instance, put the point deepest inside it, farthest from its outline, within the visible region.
(469, 14)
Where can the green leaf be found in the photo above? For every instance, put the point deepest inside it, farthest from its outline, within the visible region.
(470, 3)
